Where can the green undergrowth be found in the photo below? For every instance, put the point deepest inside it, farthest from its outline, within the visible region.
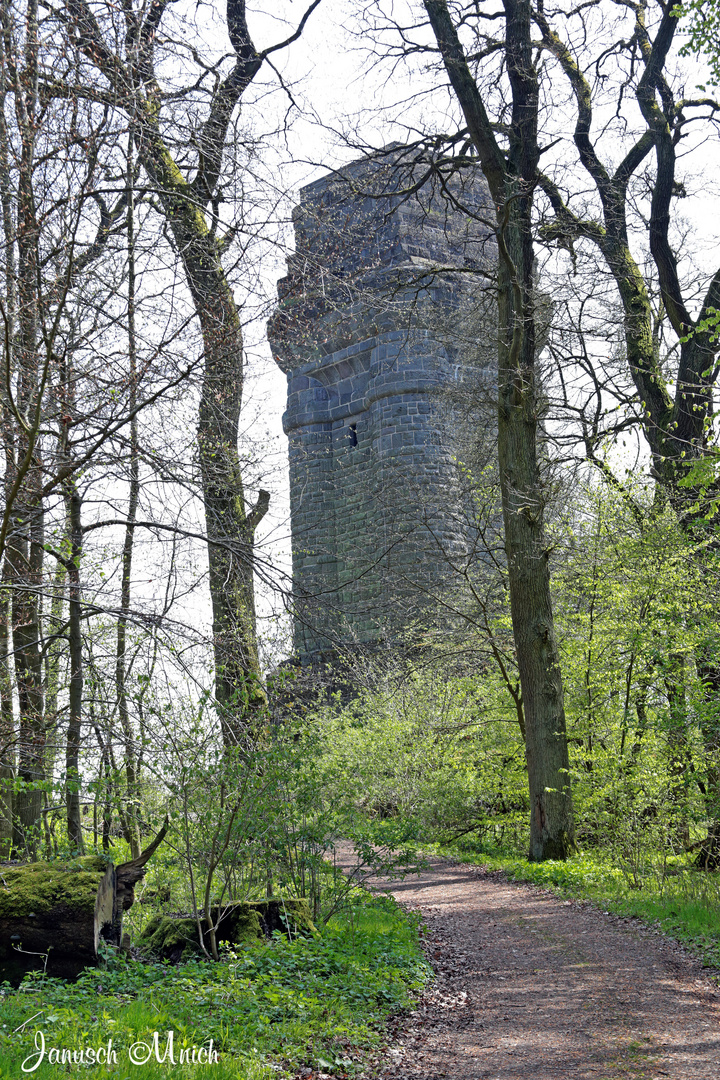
(269, 1009)
(674, 897)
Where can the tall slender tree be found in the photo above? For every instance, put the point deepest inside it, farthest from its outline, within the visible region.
(498, 133)
(191, 207)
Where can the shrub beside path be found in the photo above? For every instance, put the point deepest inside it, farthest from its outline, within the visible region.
(531, 987)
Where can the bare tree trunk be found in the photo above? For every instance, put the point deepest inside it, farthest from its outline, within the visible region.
(106, 789)
(74, 731)
(512, 178)
(7, 718)
(132, 804)
(680, 763)
(24, 553)
(239, 689)
(709, 672)
(25, 548)
(55, 643)
(25, 556)
(7, 725)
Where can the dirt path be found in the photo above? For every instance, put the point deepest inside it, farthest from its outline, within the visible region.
(531, 987)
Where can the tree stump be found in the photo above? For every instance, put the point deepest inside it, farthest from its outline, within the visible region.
(175, 937)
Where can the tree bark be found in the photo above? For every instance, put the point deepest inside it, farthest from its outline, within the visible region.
(130, 818)
(7, 717)
(511, 179)
(55, 643)
(239, 690)
(74, 731)
(25, 546)
(7, 724)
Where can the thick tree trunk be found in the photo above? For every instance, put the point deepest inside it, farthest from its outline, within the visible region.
(551, 810)
(239, 689)
(511, 180)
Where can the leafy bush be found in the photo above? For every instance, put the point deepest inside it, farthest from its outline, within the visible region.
(427, 756)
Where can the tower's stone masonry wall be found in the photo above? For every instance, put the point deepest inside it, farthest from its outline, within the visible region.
(366, 333)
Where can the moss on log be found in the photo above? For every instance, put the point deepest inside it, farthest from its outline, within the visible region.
(55, 910)
(35, 888)
(54, 915)
(244, 923)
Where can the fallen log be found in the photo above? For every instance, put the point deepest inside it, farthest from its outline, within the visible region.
(54, 916)
(247, 922)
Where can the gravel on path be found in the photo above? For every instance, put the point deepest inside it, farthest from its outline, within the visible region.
(531, 987)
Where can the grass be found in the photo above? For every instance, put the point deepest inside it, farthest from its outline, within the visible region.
(676, 898)
(268, 1009)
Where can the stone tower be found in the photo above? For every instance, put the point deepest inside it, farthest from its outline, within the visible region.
(368, 330)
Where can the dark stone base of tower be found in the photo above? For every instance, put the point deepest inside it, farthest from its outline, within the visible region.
(377, 330)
